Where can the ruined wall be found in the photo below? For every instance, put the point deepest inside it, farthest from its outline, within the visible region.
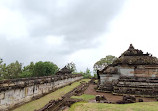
(104, 78)
(19, 91)
(107, 81)
(139, 70)
(122, 71)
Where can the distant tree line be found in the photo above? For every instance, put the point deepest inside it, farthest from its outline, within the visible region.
(15, 69)
(86, 74)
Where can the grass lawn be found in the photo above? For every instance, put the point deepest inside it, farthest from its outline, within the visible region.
(144, 106)
(85, 97)
(39, 103)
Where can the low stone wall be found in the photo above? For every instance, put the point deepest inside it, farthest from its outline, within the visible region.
(18, 91)
(66, 100)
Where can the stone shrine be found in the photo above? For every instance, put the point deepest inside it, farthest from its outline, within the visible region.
(133, 73)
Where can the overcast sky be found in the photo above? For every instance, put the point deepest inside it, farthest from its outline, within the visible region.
(79, 31)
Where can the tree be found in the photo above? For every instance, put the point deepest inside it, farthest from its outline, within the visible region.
(1, 69)
(28, 70)
(44, 69)
(13, 70)
(95, 76)
(99, 65)
(87, 74)
(71, 66)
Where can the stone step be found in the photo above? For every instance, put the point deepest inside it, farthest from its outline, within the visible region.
(135, 91)
(135, 80)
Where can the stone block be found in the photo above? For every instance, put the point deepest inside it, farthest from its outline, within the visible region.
(2, 95)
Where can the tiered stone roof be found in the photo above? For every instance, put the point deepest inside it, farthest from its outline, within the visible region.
(131, 56)
(134, 56)
(64, 70)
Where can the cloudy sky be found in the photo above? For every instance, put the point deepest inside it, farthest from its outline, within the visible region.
(79, 31)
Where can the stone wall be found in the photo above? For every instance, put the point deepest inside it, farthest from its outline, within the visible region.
(130, 71)
(66, 100)
(18, 91)
(107, 81)
(108, 78)
(139, 86)
(126, 71)
(139, 70)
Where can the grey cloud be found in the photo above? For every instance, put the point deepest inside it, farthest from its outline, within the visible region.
(79, 21)
(26, 51)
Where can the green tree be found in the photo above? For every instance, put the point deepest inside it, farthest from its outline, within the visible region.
(1, 69)
(44, 69)
(11, 71)
(95, 75)
(87, 74)
(103, 62)
(71, 66)
(28, 70)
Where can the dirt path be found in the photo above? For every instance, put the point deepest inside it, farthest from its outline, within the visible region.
(110, 97)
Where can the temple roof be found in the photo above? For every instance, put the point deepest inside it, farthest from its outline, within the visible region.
(134, 56)
(64, 70)
(131, 51)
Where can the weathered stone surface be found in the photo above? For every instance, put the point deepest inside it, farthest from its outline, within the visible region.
(23, 90)
(64, 70)
(2, 95)
(134, 56)
(133, 73)
(140, 100)
(57, 105)
(127, 99)
(140, 86)
(101, 99)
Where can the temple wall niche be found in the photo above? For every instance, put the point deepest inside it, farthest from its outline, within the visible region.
(19, 95)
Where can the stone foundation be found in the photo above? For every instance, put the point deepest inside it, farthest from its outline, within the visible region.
(139, 86)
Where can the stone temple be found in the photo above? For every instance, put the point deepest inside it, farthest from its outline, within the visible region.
(132, 73)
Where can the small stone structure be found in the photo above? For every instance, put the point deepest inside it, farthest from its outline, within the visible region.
(63, 71)
(133, 73)
(18, 91)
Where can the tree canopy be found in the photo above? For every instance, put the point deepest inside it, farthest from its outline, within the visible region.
(71, 66)
(86, 74)
(11, 71)
(15, 69)
(45, 68)
(103, 62)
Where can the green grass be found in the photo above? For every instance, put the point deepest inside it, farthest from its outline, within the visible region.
(143, 106)
(96, 81)
(85, 97)
(39, 103)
